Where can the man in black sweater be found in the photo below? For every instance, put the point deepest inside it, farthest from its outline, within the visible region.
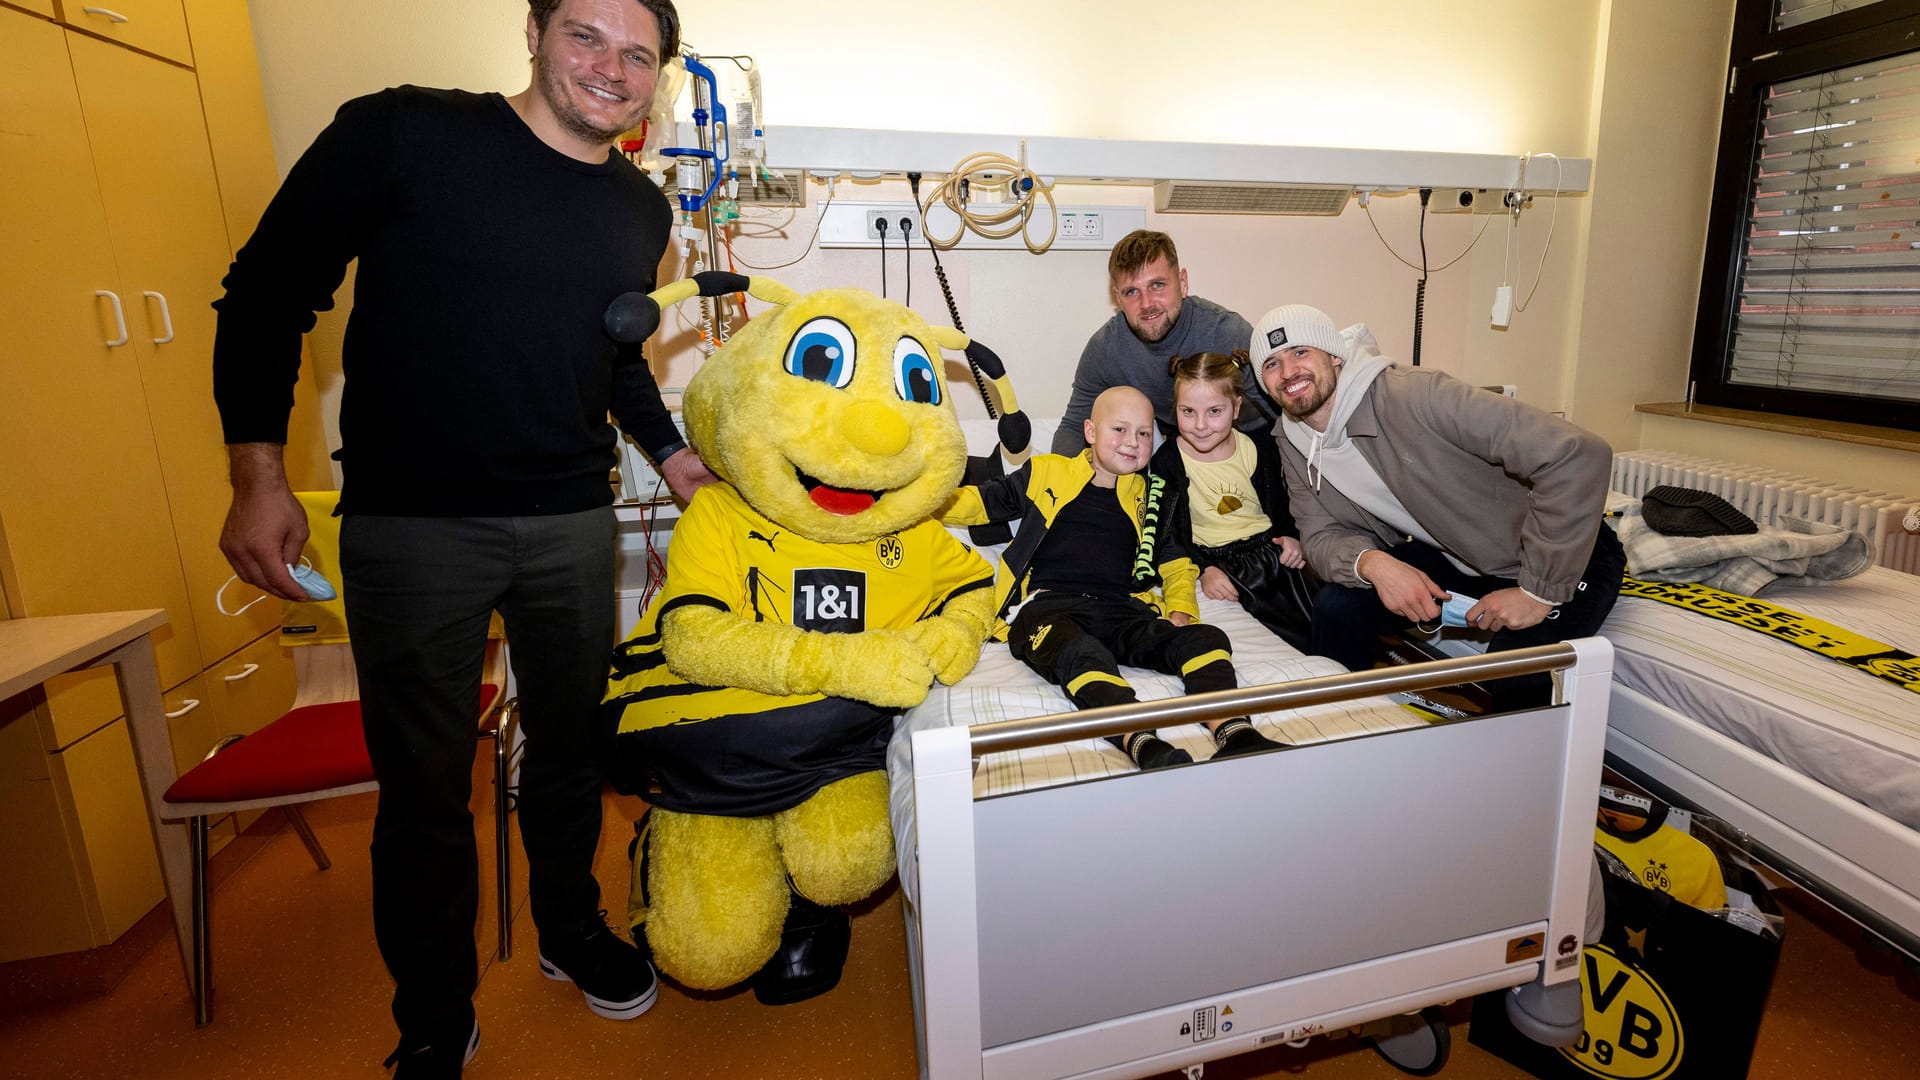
(491, 233)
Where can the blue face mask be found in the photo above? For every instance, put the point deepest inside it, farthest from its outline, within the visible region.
(1454, 612)
(316, 586)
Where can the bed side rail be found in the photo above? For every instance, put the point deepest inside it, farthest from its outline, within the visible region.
(1119, 719)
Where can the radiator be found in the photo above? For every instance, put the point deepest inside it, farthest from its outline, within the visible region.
(1890, 522)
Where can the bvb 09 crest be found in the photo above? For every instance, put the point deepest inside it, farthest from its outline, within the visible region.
(1632, 1031)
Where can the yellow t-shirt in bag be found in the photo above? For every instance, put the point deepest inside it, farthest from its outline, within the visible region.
(1673, 862)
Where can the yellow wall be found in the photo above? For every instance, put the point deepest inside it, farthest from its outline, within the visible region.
(1658, 126)
(1633, 84)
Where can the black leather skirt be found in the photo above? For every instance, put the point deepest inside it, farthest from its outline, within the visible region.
(1279, 596)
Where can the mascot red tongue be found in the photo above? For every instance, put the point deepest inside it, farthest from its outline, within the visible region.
(753, 703)
(844, 503)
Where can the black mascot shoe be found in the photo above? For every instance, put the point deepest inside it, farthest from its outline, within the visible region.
(812, 953)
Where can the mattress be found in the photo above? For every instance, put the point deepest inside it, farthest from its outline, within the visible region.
(1002, 688)
(1848, 730)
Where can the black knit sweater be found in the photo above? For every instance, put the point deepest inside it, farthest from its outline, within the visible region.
(478, 378)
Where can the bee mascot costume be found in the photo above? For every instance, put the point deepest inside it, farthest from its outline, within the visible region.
(809, 598)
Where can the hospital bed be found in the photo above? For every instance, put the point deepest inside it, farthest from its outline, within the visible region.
(1070, 916)
(1817, 762)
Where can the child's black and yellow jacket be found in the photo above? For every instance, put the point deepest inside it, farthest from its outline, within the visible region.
(1035, 494)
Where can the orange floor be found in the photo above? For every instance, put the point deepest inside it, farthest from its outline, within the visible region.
(302, 993)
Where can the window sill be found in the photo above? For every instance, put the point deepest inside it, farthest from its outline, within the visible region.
(1863, 434)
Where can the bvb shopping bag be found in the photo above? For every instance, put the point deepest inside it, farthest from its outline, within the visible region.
(1672, 992)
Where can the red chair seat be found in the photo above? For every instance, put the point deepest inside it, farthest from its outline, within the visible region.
(314, 748)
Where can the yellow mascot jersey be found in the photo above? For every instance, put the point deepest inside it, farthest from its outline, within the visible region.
(775, 750)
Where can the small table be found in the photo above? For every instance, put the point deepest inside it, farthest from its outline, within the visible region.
(34, 650)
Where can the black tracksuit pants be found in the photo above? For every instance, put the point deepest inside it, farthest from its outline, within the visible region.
(1080, 641)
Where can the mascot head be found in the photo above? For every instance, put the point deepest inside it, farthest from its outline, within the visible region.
(830, 413)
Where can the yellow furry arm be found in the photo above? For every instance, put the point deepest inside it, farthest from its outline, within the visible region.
(953, 638)
(717, 648)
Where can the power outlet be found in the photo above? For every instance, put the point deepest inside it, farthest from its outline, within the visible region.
(1080, 225)
(892, 216)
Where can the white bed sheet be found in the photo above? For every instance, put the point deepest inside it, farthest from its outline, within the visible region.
(1002, 688)
(1850, 731)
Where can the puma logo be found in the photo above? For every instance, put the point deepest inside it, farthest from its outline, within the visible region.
(754, 534)
(1051, 495)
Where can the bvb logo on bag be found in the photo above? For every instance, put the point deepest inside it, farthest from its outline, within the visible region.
(1632, 1031)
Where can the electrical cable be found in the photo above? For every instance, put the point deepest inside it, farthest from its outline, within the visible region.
(906, 241)
(881, 224)
(985, 168)
(946, 293)
(810, 240)
(1368, 210)
(1559, 174)
(1420, 287)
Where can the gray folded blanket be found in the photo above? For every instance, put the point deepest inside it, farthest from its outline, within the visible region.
(1796, 552)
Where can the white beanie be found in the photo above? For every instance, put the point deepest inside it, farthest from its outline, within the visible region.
(1295, 324)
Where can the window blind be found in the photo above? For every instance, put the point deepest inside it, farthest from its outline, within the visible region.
(1829, 296)
(1788, 13)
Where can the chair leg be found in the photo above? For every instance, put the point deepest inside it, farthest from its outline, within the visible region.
(202, 961)
(503, 849)
(299, 822)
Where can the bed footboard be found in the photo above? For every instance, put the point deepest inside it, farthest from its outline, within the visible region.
(1140, 923)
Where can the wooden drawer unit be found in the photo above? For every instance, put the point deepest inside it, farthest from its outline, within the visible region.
(42, 905)
(108, 816)
(252, 688)
(155, 26)
(38, 7)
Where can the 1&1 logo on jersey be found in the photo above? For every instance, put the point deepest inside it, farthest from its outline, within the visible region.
(831, 601)
(1632, 1031)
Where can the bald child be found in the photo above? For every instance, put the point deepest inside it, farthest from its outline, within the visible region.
(1085, 586)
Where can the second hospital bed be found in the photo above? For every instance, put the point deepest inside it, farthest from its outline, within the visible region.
(1817, 762)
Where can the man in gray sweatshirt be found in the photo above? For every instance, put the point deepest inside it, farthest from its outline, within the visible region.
(1411, 487)
(1155, 321)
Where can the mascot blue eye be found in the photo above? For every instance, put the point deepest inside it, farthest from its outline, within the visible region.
(914, 376)
(822, 350)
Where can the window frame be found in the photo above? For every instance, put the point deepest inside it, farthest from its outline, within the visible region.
(1760, 57)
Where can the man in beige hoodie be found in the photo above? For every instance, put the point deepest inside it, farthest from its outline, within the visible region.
(1412, 489)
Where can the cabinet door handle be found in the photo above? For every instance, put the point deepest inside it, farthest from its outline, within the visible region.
(186, 707)
(166, 316)
(242, 673)
(111, 15)
(119, 317)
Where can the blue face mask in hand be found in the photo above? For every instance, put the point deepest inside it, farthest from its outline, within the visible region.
(1452, 613)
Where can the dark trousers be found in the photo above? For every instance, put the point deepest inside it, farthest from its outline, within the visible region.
(1080, 642)
(419, 593)
(1348, 623)
(1277, 595)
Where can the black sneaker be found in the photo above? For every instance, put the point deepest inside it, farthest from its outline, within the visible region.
(1236, 738)
(418, 1060)
(615, 977)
